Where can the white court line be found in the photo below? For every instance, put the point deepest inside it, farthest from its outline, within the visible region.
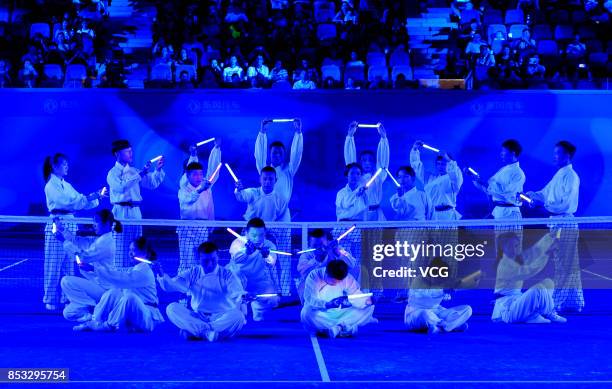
(14, 264)
(320, 360)
(598, 275)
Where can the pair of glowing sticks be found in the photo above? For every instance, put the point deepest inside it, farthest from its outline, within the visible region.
(523, 196)
(139, 259)
(425, 146)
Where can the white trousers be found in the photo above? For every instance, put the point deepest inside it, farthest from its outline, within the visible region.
(426, 319)
(82, 294)
(315, 320)
(537, 300)
(226, 324)
(123, 309)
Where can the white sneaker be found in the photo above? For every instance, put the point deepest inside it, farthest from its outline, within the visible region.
(82, 327)
(555, 317)
(51, 307)
(211, 335)
(334, 332)
(538, 319)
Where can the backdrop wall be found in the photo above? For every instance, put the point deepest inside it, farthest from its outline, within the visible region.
(471, 126)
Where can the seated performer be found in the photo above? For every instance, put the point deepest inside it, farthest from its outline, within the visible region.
(253, 262)
(264, 202)
(425, 314)
(132, 301)
(216, 295)
(84, 293)
(325, 249)
(328, 308)
(536, 305)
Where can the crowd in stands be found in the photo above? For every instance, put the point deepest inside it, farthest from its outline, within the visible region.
(306, 44)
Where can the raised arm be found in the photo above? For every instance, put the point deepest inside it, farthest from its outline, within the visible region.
(152, 180)
(454, 174)
(350, 151)
(214, 159)
(70, 199)
(415, 161)
(130, 279)
(261, 146)
(119, 180)
(311, 293)
(382, 153)
(297, 148)
(535, 259)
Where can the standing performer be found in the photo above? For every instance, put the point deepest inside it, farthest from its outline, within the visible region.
(132, 301)
(62, 201)
(85, 292)
(285, 173)
(514, 266)
(216, 294)
(253, 262)
(560, 198)
(196, 203)
(326, 249)
(441, 187)
(424, 312)
(263, 202)
(124, 183)
(409, 203)
(327, 306)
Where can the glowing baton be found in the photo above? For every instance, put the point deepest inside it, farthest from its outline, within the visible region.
(202, 143)
(156, 158)
(237, 235)
(103, 191)
(367, 185)
(78, 260)
(283, 120)
(559, 233)
(263, 295)
(359, 296)
(212, 177)
(473, 172)
(428, 147)
(346, 233)
(143, 260)
(231, 172)
(306, 251)
(472, 276)
(368, 125)
(281, 252)
(393, 178)
(523, 197)
(54, 229)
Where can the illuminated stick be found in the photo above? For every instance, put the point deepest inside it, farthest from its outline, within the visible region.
(156, 158)
(78, 260)
(54, 229)
(367, 185)
(283, 120)
(212, 177)
(280, 252)
(559, 233)
(229, 169)
(471, 276)
(202, 143)
(428, 147)
(103, 191)
(359, 296)
(267, 295)
(346, 233)
(144, 260)
(237, 235)
(306, 251)
(473, 172)
(523, 197)
(393, 178)
(368, 125)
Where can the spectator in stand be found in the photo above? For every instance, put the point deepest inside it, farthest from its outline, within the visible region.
(165, 58)
(525, 45)
(258, 74)
(497, 41)
(350, 84)
(303, 82)
(86, 30)
(233, 69)
(346, 14)
(5, 79)
(184, 82)
(235, 13)
(278, 73)
(184, 58)
(34, 55)
(486, 57)
(473, 46)
(533, 68)
(64, 29)
(575, 54)
(354, 61)
(28, 75)
(468, 14)
(311, 73)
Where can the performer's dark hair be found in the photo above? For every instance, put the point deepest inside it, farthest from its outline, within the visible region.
(268, 169)
(513, 145)
(568, 147)
(501, 240)
(337, 269)
(51, 161)
(277, 143)
(367, 152)
(107, 217)
(194, 166)
(145, 245)
(407, 169)
(256, 223)
(348, 168)
(208, 247)
(316, 233)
